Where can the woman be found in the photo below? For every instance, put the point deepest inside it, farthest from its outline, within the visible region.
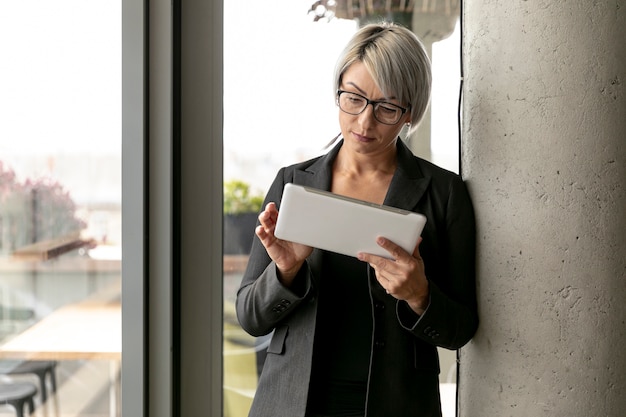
(358, 336)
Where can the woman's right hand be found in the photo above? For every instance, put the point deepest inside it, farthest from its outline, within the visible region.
(288, 256)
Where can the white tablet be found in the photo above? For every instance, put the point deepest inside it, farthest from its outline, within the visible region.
(344, 225)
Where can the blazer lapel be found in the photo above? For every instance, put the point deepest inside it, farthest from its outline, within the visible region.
(319, 174)
(407, 187)
(408, 184)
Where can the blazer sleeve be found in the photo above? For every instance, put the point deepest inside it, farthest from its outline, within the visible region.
(451, 318)
(262, 301)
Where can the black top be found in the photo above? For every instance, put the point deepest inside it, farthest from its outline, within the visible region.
(343, 338)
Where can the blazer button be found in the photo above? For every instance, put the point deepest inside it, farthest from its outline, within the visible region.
(379, 344)
(281, 306)
(430, 332)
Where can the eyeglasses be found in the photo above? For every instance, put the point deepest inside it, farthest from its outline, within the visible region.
(385, 113)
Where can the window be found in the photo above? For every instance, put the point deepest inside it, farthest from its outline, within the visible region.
(268, 51)
(173, 181)
(60, 203)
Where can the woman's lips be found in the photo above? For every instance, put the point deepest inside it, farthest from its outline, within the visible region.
(361, 138)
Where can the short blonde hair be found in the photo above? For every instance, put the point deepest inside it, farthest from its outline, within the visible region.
(397, 61)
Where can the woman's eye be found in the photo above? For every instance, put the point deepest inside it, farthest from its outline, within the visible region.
(386, 109)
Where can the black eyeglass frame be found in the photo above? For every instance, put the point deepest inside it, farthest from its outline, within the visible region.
(374, 103)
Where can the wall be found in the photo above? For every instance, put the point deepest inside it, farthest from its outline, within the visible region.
(544, 157)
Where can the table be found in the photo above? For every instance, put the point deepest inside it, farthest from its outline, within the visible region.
(89, 330)
(72, 332)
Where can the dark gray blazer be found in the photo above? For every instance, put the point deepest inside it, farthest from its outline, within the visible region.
(404, 370)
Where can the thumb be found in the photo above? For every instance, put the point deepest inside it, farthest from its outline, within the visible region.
(416, 251)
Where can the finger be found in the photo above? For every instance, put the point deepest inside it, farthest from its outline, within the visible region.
(266, 238)
(269, 216)
(267, 225)
(416, 251)
(383, 277)
(378, 263)
(271, 208)
(260, 232)
(394, 250)
(388, 286)
(383, 281)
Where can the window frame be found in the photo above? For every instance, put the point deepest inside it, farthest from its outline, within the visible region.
(172, 207)
(134, 371)
(198, 140)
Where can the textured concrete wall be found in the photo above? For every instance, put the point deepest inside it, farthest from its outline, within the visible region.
(545, 159)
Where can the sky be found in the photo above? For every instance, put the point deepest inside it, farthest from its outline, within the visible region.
(60, 76)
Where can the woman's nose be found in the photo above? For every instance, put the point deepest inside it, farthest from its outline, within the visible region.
(366, 117)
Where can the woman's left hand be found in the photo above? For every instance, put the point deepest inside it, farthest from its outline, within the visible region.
(403, 277)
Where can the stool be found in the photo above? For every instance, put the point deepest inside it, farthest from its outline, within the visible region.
(39, 368)
(17, 394)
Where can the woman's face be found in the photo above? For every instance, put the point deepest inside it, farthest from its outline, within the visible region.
(362, 132)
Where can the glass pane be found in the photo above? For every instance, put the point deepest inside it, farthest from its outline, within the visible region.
(268, 52)
(274, 134)
(60, 205)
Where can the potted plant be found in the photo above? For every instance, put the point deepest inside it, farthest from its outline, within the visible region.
(241, 209)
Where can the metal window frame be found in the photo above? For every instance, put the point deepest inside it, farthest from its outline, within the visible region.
(172, 207)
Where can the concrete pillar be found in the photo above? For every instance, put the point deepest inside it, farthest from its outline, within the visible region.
(544, 145)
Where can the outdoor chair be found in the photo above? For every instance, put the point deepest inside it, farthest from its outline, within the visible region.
(17, 395)
(39, 368)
